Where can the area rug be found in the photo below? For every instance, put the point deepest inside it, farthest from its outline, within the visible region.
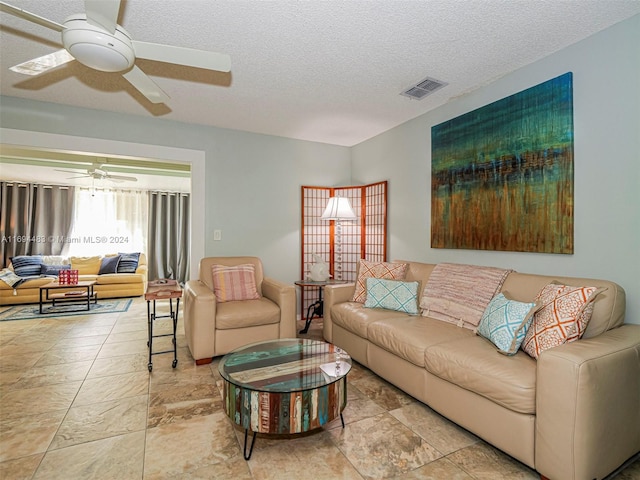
(26, 312)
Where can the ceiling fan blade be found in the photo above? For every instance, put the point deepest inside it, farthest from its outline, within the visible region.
(78, 176)
(182, 56)
(39, 65)
(32, 17)
(69, 171)
(145, 85)
(121, 178)
(103, 13)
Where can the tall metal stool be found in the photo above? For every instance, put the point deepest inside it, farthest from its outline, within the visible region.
(162, 290)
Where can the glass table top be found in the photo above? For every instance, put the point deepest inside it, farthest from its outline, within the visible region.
(285, 365)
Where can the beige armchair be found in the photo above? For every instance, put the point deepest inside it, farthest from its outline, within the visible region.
(214, 328)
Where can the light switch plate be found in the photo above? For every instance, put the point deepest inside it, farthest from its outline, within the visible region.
(217, 235)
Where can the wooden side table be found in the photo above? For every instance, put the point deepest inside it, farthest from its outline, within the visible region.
(317, 307)
(162, 291)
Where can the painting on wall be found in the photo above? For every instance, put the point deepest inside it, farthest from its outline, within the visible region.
(502, 175)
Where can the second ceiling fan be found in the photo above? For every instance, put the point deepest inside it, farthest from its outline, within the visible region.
(96, 172)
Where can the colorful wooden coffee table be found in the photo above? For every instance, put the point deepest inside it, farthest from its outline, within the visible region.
(284, 386)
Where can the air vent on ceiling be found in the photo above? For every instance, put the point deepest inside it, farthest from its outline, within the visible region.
(423, 88)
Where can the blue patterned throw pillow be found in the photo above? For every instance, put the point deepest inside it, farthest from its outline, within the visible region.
(505, 322)
(128, 262)
(27, 265)
(392, 295)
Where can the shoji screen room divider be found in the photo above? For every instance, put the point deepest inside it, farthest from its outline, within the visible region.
(342, 243)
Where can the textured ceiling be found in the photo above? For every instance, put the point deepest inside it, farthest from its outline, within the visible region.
(326, 71)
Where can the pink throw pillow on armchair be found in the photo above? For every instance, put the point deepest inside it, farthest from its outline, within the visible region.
(234, 283)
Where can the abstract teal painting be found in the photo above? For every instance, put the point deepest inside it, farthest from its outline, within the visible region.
(502, 175)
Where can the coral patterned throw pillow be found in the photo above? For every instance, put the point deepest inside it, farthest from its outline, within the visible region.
(386, 270)
(562, 318)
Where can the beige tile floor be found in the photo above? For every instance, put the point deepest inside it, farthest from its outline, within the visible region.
(77, 402)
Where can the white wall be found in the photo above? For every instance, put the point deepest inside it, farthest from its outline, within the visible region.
(606, 100)
(251, 188)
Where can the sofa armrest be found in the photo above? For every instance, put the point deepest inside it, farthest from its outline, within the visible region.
(283, 295)
(199, 319)
(588, 405)
(334, 294)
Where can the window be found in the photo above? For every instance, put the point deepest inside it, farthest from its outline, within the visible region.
(108, 221)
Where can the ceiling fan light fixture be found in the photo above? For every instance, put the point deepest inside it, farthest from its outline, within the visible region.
(97, 49)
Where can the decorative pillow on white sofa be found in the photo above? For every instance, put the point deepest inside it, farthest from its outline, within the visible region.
(392, 295)
(505, 322)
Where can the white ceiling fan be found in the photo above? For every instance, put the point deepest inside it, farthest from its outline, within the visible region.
(97, 173)
(95, 39)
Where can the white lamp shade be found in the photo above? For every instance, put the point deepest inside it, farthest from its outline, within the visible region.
(338, 208)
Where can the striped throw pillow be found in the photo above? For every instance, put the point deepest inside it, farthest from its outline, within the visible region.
(128, 263)
(27, 265)
(234, 283)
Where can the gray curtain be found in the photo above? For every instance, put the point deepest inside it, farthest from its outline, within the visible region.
(169, 235)
(34, 219)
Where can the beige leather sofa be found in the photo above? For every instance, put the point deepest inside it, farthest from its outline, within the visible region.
(574, 414)
(214, 328)
(110, 285)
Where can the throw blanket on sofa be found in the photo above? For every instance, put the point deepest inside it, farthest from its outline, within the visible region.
(459, 293)
(10, 278)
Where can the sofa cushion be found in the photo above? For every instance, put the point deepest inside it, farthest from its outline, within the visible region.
(505, 322)
(563, 317)
(109, 264)
(408, 336)
(128, 262)
(246, 313)
(354, 317)
(472, 363)
(392, 295)
(86, 265)
(390, 271)
(27, 265)
(117, 278)
(234, 283)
